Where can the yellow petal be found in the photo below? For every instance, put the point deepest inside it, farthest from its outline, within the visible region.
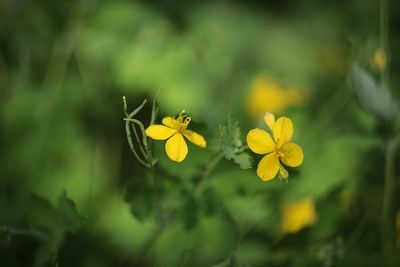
(195, 138)
(170, 122)
(176, 148)
(283, 130)
(260, 142)
(268, 167)
(159, 132)
(269, 120)
(292, 154)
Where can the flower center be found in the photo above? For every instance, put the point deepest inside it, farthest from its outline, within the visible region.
(183, 121)
(278, 149)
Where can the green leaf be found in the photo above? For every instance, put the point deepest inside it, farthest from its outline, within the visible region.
(243, 159)
(44, 217)
(140, 196)
(373, 97)
(53, 223)
(232, 145)
(330, 165)
(230, 137)
(69, 214)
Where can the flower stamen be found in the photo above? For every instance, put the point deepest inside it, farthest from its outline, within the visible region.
(183, 121)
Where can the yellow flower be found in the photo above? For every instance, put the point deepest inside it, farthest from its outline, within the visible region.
(380, 59)
(297, 215)
(268, 94)
(278, 150)
(174, 130)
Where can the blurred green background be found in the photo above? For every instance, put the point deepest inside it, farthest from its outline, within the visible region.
(71, 192)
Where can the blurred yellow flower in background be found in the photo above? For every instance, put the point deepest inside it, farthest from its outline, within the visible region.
(267, 94)
(174, 130)
(297, 215)
(380, 59)
(278, 150)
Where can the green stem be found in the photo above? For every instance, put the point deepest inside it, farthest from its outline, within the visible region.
(160, 212)
(141, 126)
(150, 241)
(155, 108)
(129, 119)
(384, 38)
(212, 164)
(144, 250)
(388, 230)
(144, 153)
(391, 148)
(38, 235)
(201, 186)
(131, 145)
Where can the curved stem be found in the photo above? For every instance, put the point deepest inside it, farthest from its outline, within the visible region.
(129, 118)
(144, 153)
(131, 145)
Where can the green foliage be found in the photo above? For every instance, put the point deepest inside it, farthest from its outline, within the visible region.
(63, 70)
(232, 145)
(69, 214)
(338, 158)
(243, 159)
(141, 197)
(53, 223)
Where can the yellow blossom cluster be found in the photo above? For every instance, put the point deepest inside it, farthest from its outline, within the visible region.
(267, 94)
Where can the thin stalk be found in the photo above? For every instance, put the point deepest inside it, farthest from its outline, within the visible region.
(147, 161)
(144, 250)
(391, 149)
(155, 108)
(212, 164)
(389, 187)
(157, 200)
(384, 39)
(141, 126)
(144, 153)
(131, 145)
(149, 157)
(133, 113)
(154, 115)
(150, 241)
(38, 235)
(129, 116)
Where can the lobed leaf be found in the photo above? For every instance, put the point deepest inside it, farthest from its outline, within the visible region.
(232, 145)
